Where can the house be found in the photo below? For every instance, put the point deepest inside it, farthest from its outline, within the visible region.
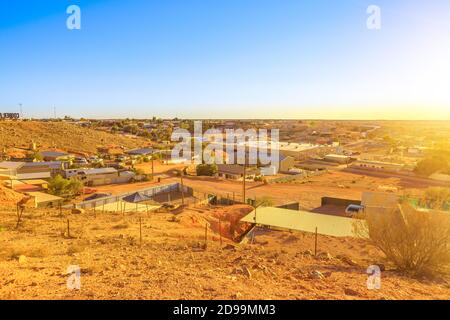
(41, 200)
(9, 168)
(101, 176)
(236, 172)
(33, 168)
(25, 170)
(377, 165)
(80, 161)
(53, 155)
(440, 176)
(417, 151)
(337, 158)
(140, 152)
(285, 163)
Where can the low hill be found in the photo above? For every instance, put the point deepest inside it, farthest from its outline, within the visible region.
(171, 263)
(60, 136)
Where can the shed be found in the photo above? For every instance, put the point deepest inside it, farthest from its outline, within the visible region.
(41, 199)
(305, 221)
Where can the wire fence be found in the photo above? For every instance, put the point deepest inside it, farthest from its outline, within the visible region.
(152, 192)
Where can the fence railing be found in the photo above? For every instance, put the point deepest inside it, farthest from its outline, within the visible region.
(150, 192)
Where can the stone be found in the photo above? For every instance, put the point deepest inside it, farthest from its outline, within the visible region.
(316, 275)
(77, 211)
(324, 256)
(246, 272)
(351, 292)
(348, 261)
(22, 259)
(229, 247)
(237, 295)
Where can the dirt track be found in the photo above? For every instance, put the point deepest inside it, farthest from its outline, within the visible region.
(309, 194)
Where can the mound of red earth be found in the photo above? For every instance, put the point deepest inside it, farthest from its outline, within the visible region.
(9, 197)
(226, 220)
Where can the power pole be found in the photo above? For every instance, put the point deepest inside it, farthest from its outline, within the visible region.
(20, 110)
(153, 168)
(243, 182)
(182, 187)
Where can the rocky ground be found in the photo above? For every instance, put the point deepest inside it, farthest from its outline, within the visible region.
(172, 263)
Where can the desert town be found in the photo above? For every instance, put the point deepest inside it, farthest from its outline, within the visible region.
(107, 196)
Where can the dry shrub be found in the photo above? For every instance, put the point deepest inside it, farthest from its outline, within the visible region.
(121, 225)
(77, 247)
(416, 242)
(14, 252)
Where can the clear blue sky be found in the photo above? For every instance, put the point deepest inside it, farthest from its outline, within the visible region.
(226, 59)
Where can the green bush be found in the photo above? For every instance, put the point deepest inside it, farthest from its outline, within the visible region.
(59, 186)
(206, 169)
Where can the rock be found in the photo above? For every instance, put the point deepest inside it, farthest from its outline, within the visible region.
(307, 253)
(324, 256)
(22, 259)
(351, 292)
(229, 247)
(238, 260)
(77, 211)
(246, 272)
(237, 295)
(316, 275)
(348, 261)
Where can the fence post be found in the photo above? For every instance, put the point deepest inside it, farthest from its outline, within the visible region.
(206, 235)
(220, 233)
(315, 243)
(140, 230)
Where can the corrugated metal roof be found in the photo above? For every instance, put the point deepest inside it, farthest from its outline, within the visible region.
(11, 165)
(50, 164)
(143, 151)
(44, 197)
(303, 221)
(33, 175)
(99, 171)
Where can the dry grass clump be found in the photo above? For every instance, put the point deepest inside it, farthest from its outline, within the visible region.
(416, 242)
(14, 252)
(121, 225)
(76, 248)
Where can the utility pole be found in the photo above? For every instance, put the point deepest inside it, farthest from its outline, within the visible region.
(243, 182)
(182, 187)
(20, 110)
(153, 168)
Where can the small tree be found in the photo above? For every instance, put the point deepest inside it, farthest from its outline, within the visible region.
(431, 165)
(416, 242)
(206, 169)
(59, 186)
